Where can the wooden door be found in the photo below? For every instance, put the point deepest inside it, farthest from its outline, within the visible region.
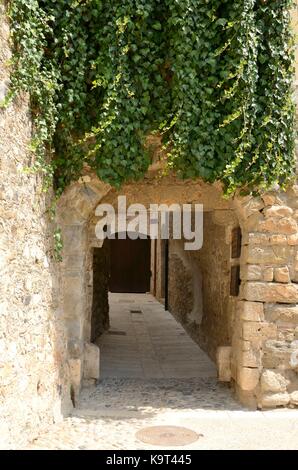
(130, 265)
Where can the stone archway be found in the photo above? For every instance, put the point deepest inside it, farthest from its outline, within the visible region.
(264, 341)
(76, 209)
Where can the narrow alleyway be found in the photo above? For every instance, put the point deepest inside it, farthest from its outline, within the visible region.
(152, 374)
(145, 341)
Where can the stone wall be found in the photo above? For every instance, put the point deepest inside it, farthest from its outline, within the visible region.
(199, 285)
(265, 345)
(33, 372)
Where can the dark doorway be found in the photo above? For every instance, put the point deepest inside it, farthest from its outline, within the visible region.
(130, 265)
(100, 299)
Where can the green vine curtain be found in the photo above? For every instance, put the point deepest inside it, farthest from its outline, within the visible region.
(212, 77)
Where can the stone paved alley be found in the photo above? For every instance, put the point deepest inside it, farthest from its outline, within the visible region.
(147, 385)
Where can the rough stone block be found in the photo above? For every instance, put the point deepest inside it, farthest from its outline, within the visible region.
(285, 225)
(258, 330)
(91, 361)
(252, 206)
(278, 239)
(294, 398)
(223, 361)
(293, 239)
(255, 238)
(251, 311)
(285, 333)
(278, 354)
(253, 254)
(253, 222)
(267, 274)
(251, 272)
(278, 211)
(281, 313)
(248, 378)
(270, 292)
(272, 400)
(271, 199)
(282, 275)
(273, 381)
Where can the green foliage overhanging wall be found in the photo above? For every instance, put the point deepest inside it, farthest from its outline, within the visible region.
(212, 77)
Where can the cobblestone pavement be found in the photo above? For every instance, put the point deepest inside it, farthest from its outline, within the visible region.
(147, 379)
(109, 415)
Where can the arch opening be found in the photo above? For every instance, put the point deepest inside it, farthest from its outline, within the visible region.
(88, 304)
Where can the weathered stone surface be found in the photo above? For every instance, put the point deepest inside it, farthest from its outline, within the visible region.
(202, 276)
(255, 272)
(282, 274)
(250, 358)
(271, 199)
(293, 239)
(251, 311)
(74, 239)
(251, 272)
(224, 217)
(268, 274)
(75, 369)
(281, 313)
(278, 239)
(248, 378)
(255, 238)
(271, 400)
(35, 376)
(252, 206)
(75, 348)
(278, 211)
(285, 332)
(258, 330)
(4, 86)
(294, 355)
(273, 381)
(223, 362)
(253, 222)
(91, 361)
(269, 255)
(278, 354)
(270, 292)
(286, 225)
(294, 398)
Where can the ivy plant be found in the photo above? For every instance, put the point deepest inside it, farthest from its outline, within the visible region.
(212, 77)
